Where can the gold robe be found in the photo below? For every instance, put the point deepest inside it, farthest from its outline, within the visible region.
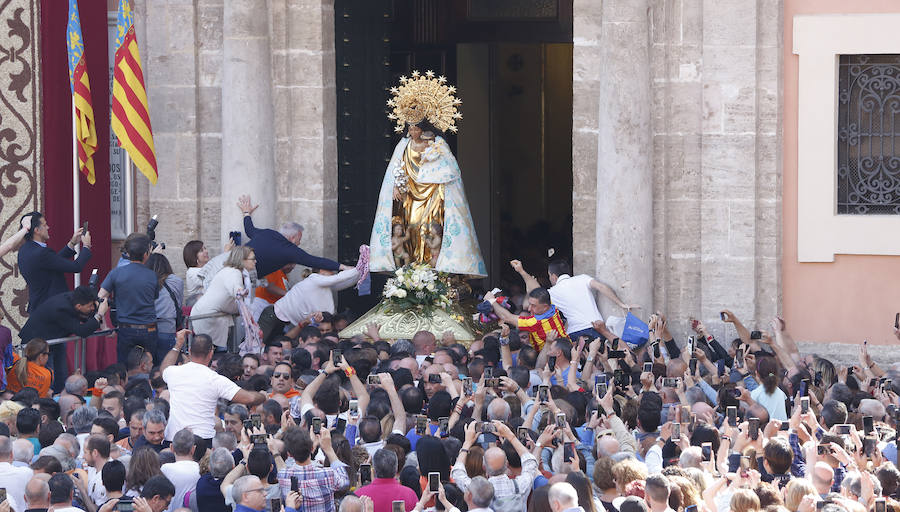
(421, 207)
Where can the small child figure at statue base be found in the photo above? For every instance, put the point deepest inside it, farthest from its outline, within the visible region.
(398, 238)
(433, 239)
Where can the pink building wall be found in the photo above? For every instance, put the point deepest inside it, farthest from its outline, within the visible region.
(856, 296)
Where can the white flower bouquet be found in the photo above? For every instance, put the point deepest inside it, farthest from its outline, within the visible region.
(418, 284)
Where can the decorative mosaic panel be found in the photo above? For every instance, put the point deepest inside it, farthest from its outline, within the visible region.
(20, 153)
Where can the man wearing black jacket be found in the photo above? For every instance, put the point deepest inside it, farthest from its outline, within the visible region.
(43, 268)
(63, 315)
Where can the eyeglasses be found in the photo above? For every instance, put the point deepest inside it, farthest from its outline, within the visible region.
(281, 375)
(261, 489)
(250, 259)
(45, 353)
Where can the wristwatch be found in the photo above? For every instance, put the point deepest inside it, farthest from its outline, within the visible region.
(504, 341)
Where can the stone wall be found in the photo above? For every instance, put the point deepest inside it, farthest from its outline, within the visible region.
(183, 59)
(715, 82)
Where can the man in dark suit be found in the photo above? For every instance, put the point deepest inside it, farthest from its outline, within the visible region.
(45, 272)
(276, 249)
(68, 313)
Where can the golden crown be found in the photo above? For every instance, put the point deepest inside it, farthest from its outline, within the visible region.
(424, 97)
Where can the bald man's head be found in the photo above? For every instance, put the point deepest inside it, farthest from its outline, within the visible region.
(607, 446)
(823, 477)
(495, 462)
(37, 493)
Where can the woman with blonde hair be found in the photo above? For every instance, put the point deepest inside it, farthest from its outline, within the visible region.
(9, 410)
(627, 471)
(31, 370)
(690, 495)
(744, 500)
(227, 287)
(794, 492)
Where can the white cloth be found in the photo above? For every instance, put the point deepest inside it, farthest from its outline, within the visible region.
(654, 460)
(95, 488)
(193, 283)
(373, 447)
(315, 293)
(184, 475)
(219, 298)
(193, 392)
(574, 297)
(14, 479)
(773, 403)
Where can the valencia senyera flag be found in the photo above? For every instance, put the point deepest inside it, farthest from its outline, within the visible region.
(85, 131)
(130, 111)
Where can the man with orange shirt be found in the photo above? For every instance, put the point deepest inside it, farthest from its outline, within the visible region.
(276, 284)
(283, 380)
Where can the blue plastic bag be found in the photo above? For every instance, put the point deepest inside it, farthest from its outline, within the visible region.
(636, 332)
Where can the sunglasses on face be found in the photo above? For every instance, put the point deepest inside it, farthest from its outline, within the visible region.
(281, 375)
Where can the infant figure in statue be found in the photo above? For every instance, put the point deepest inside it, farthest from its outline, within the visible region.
(398, 241)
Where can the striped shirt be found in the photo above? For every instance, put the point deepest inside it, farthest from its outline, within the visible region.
(317, 484)
(537, 326)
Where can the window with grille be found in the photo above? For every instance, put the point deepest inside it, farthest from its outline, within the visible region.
(868, 138)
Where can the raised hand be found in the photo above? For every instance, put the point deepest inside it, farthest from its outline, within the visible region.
(245, 205)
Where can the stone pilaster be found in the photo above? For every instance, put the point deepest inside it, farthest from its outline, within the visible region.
(620, 69)
(306, 119)
(248, 163)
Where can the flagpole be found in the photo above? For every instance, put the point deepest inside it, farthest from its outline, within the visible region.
(76, 185)
(128, 177)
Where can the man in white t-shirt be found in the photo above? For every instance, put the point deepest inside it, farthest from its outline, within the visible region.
(13, 478)
(309, 297)
(574, 296)
(96, 455)
(194, 390)
(184, 472)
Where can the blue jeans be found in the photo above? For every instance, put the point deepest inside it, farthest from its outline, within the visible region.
(127, 338)
(165, 342)
(59, 363)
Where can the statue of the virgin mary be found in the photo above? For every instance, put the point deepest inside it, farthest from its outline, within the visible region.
(422, 214)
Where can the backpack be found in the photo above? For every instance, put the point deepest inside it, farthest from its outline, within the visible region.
(515, 503)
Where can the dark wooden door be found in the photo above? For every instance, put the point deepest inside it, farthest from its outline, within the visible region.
(365, 136)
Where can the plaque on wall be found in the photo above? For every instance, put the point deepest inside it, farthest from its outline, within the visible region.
(512, 10)
(117, 156)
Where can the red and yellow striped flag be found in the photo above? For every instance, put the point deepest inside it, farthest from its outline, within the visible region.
(85, 131)
(130, 111)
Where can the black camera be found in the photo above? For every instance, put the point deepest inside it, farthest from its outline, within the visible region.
(151, 232)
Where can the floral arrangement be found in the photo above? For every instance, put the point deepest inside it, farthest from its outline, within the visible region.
(418, 284)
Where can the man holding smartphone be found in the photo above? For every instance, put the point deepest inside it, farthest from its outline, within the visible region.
(319, 483)
(496, 466)
(384, 488)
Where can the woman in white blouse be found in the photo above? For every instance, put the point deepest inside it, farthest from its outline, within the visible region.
(200, 268)
(231, 282)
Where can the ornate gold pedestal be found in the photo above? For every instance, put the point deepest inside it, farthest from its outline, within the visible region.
(395, 322)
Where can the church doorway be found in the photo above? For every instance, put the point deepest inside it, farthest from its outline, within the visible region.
(511, 61)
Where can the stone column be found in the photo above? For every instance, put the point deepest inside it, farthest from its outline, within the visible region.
(624, 225)
(248, 161)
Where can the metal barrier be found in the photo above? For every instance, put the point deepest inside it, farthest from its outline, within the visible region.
(81, 347)
(80, 351)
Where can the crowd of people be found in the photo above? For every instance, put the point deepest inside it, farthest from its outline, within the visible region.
(552, 410)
